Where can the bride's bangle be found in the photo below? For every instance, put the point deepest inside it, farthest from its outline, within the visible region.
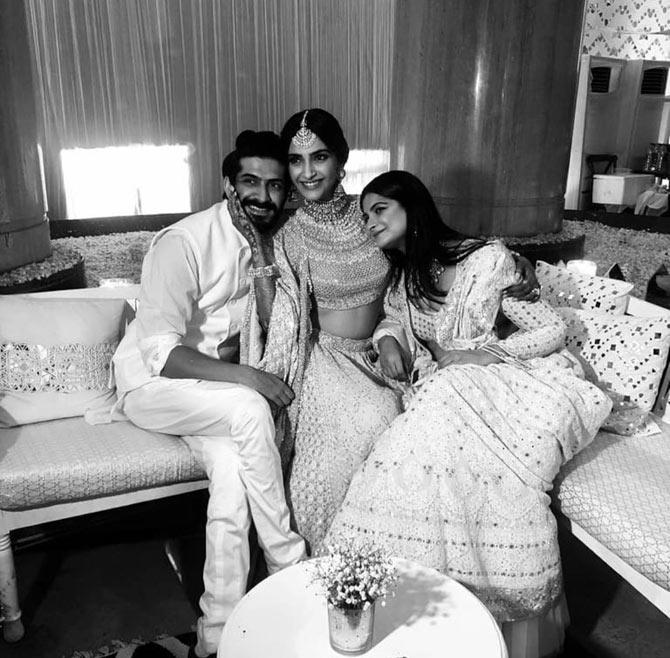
(262, 272)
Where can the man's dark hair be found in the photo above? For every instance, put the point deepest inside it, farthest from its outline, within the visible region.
(252, 144)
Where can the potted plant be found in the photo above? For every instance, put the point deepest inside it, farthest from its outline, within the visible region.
(353, 579)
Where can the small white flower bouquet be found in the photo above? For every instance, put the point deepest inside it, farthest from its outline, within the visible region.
(354, 577)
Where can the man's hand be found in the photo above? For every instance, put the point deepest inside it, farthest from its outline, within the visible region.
(271, 387)
(186, 363)
(460, 357)
(528, 288)
(262, 254)
(394, 361)
(260, 243)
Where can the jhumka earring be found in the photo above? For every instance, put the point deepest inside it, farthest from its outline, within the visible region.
(304, 138)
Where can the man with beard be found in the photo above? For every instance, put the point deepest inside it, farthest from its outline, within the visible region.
(177, 370)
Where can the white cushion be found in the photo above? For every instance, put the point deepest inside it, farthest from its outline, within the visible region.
(617, 490)
(67, 460)
(55, 355)
(625, 354)
(563, 287)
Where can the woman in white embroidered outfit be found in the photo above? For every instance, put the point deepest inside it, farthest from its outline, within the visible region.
(328, 300)
(458, 482)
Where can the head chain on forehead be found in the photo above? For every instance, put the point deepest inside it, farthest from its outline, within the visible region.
(304, 138)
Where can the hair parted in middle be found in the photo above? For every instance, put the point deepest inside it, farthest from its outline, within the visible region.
(427, 237)
(324, 125)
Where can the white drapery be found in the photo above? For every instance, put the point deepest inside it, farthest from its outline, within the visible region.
(197, 72)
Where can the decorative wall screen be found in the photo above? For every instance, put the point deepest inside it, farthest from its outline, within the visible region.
(627, 30)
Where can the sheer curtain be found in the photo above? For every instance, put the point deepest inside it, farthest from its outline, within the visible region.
(113, 73)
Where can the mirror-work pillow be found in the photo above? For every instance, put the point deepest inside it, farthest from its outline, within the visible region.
(563, 287)
(55, 356)
(624, 354)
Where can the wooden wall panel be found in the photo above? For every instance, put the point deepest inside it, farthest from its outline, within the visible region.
(482, 108)
(24, 232)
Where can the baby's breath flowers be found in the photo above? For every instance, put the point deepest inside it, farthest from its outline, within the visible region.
(354, 577)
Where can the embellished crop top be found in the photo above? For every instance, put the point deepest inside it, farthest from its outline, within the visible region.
(346, 268)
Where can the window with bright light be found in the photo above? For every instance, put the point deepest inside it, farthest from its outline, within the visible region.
(362, 166)
(138, 179)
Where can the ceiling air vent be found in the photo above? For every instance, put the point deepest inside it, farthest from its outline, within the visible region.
(654, 81)
(600, 79)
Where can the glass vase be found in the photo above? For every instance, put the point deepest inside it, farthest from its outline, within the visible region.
(350, 629)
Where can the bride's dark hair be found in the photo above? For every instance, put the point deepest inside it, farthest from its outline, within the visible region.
(324, 125)
(427, 240)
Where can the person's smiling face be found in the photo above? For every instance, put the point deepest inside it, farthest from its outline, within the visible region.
(386, 220)
(314, 171)
(261, 188)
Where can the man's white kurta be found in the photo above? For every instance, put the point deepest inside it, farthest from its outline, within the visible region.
(194, 293)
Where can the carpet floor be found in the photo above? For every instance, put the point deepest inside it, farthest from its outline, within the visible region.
(168, 647)
(107, 589)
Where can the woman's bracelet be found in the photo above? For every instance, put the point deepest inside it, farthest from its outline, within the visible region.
(497, 350)
(265, 271)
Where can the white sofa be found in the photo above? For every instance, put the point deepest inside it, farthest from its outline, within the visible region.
(613, 496)
(65, 468)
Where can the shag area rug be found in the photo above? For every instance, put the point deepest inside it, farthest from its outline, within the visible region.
(167, 647)
(638, 253)
(112, 256)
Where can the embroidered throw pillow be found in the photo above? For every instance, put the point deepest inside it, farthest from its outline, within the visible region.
(55, 355)
(563, 287)
(624, 354)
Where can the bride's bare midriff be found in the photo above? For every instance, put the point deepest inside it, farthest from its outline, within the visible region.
(357, 322)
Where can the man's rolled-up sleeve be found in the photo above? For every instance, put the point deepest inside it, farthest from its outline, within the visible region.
(168, 293)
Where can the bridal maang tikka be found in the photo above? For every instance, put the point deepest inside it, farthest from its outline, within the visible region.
(304, 138)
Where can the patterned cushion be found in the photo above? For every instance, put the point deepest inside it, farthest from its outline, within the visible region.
(563, 287)
(625, 354)
(67, 460)
(617, 490)
(55, 356)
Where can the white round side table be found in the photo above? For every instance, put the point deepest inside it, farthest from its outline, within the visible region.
(430, 616)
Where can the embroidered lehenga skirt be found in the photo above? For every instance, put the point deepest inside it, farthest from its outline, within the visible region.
(344, 406)
(459, 481)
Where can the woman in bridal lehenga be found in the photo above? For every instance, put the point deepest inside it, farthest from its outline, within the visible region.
(328, 300)
(459, 481)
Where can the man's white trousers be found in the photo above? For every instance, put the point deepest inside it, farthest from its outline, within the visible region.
(230, 430)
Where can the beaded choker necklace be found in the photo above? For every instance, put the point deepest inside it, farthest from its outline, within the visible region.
(347, 268)
(334, 222)
(333, 210)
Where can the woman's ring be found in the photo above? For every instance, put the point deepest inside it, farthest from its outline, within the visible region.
(536, 292)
